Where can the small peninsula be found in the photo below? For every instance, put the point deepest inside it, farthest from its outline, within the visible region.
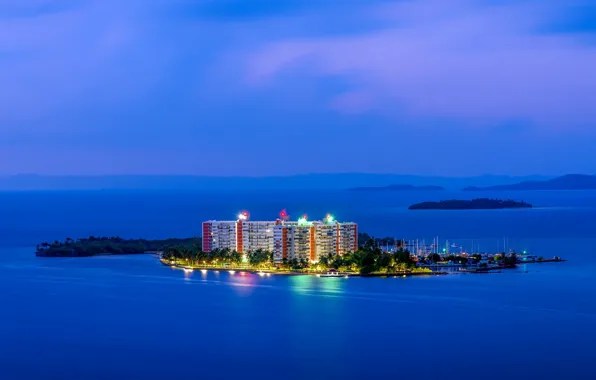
(474, 204)
(397, 188)
(566, 182)
(92, 246)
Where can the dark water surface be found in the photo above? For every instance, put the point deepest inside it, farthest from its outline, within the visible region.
(128, 317)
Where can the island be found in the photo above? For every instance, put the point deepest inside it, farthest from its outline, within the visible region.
(369, 260)
(474, 204)
(398, 188)
(566, 182)
(186, 254)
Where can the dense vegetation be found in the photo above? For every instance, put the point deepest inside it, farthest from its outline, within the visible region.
(110, 245)
(474, 204)
(366, 260)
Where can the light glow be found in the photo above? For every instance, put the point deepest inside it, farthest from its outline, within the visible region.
(329, 218)
(303, 221)
(232, 271)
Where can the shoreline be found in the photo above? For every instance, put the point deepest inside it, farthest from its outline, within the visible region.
(290, 273)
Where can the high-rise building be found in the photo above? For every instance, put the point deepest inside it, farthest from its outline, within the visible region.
(256, 235)
(304, 240)
(219, 235)
(301, 240)
(347, 238)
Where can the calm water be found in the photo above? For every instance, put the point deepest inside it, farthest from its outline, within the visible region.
(129, 317)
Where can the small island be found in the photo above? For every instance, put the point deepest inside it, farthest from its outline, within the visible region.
(398, 188)
(369, 260)
(93, 246)
(474, 204)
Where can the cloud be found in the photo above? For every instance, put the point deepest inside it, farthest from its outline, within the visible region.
(64, 57)
(464, 60)
(84, 83)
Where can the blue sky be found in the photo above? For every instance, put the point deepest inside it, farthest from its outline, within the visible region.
(259, 87)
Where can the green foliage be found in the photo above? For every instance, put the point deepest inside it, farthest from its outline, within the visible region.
(110, 245)
(260, 258)
(457, 259)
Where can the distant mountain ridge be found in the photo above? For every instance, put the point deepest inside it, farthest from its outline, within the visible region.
(398, 188)
(566, 182)
(330, 181)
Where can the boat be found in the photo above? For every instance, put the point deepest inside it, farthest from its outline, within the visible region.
(331, 273)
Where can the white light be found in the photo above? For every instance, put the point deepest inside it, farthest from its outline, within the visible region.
(203, 271)
(261, 274)
(242, 216)
(268, 274)
(232, 271)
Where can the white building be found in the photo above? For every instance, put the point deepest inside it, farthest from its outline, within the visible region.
(301, 240)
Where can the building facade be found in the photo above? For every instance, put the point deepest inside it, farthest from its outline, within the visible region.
(301, 240)
(241, 235)
(313, 240)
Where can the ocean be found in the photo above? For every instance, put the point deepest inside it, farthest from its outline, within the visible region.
(128, 317)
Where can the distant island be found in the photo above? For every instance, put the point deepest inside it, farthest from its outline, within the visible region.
(397, 188)
(92, 246)
(474, 204)
(566, 182)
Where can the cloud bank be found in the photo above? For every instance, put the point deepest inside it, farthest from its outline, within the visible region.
(156, 86)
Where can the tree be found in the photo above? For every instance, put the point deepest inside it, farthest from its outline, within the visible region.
(259, 257)
(385, 261)
(434, 257)
(403, 256)
(235, 257)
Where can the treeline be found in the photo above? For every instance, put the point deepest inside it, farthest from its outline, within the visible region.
(371, 259)
(218, 257)
(366, 260)
(110, 245)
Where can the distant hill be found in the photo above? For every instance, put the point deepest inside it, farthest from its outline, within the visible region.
(331, 181)
(398, 188)
(566, 182)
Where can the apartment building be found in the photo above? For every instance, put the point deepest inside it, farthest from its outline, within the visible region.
(301, 240)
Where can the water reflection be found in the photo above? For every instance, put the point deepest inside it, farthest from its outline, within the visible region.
(304, 284)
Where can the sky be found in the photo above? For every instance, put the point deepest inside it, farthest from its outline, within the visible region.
(282, 87)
